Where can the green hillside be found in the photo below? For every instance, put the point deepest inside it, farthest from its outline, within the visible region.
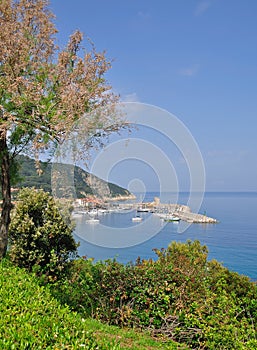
(84, 183)
(31, 318)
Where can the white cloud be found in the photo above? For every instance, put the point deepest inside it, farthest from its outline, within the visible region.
(202, 7)
(189, 71)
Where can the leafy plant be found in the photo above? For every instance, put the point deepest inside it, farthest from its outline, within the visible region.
(181, 296)
(41, 239)
(30, 318)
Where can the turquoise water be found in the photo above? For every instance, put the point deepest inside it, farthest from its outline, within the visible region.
(233, 241)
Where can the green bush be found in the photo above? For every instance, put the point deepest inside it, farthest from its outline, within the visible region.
(31, 319)
(181, 295)
(40, 238)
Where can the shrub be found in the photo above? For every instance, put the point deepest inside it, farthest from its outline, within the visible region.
(40, 238)
(181, 295)
(30, 318)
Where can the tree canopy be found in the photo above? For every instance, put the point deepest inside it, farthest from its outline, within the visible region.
(44, 90)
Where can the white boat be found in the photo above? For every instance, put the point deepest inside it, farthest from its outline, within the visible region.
(93, 212)
(92, 221)
(168, 217)
(137, 219)
(171, 218)
(142, 210)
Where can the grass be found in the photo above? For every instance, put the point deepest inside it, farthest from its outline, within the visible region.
(30, 318)
(128, 338)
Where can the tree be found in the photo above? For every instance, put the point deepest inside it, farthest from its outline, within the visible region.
(45, 90)
(39, 234)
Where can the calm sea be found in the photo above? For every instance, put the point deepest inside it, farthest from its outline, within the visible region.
(233, 241)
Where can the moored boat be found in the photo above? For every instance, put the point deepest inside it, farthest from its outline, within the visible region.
(172, 218)
(92, 221)
(137, 219)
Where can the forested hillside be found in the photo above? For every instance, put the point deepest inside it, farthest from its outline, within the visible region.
(27, 176)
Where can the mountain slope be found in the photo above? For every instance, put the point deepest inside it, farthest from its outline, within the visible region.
(65, 180)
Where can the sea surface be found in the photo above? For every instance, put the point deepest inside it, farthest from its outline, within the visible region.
(232, 241)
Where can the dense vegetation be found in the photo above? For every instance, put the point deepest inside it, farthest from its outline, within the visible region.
(30, 318)
(26, 176)
(181, 296)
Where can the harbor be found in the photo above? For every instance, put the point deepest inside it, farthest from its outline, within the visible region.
(166, 211)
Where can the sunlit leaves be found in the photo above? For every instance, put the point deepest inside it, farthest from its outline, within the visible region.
(181, 296)
(40, 236)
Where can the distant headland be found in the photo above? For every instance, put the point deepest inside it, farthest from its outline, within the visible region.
(83, 186)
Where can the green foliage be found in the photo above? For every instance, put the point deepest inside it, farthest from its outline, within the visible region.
(40, 238)
(181, 295)
(31, 319)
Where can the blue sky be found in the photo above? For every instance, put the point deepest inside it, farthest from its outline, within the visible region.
(195, 59)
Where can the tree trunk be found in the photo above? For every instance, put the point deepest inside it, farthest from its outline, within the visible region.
(6, 193)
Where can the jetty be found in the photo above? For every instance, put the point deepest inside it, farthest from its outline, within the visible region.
(183, 212)
(196, 218)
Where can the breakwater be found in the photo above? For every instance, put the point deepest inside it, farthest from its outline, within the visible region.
(196, 218)
(183, 212)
